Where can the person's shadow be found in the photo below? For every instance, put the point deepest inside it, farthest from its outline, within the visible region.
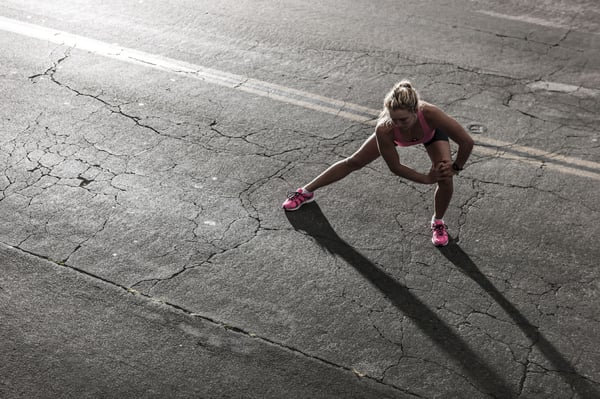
(580, 384)
(310, 219)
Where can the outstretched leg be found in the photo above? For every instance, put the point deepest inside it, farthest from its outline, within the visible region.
(366, 154)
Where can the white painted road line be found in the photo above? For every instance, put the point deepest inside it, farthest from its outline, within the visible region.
(529, 20)
(564, 88)
(485, 145)
(523, 18)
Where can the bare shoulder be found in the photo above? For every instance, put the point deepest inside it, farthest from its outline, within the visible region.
(438, 119)
(435, 117)
(430, 111)
(383, 129)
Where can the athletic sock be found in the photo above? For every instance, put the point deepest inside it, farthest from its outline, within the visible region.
(305, 191)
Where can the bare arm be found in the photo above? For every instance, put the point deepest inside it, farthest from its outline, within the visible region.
(387, 149)
(436, 118)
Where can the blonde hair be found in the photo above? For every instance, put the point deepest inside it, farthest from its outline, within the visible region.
(402, 96)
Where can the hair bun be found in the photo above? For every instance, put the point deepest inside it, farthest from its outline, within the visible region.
(406, 84)
(402, 96)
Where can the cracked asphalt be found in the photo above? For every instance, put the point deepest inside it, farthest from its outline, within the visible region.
(142, 244)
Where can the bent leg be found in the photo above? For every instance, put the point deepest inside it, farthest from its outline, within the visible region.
(366, 154)
(439, 151)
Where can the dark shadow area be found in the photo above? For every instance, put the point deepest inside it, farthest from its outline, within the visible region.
(580, 384)
(310, 219)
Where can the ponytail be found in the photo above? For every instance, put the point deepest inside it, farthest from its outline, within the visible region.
(402, 96)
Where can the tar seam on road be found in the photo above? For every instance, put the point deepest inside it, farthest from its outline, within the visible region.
(484, 146)
(181, 310)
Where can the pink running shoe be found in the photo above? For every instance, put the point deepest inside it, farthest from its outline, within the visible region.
(440, 235)
(297, 199)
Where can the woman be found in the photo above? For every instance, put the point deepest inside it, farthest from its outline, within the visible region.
(405, 121)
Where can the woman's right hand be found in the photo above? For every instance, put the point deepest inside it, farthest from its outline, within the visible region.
(440, 171)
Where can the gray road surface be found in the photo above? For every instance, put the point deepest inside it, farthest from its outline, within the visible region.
(144, 252)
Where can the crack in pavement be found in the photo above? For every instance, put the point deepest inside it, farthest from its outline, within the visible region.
(228, 327)
(583, 385)
(245, 195)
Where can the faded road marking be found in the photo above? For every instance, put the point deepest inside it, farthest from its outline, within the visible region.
(530, 20)
(485, 146)
(563, 88)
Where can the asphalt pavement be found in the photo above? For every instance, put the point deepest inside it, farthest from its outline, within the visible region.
(146, 149)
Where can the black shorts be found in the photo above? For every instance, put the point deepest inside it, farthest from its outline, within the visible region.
(438, 135)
